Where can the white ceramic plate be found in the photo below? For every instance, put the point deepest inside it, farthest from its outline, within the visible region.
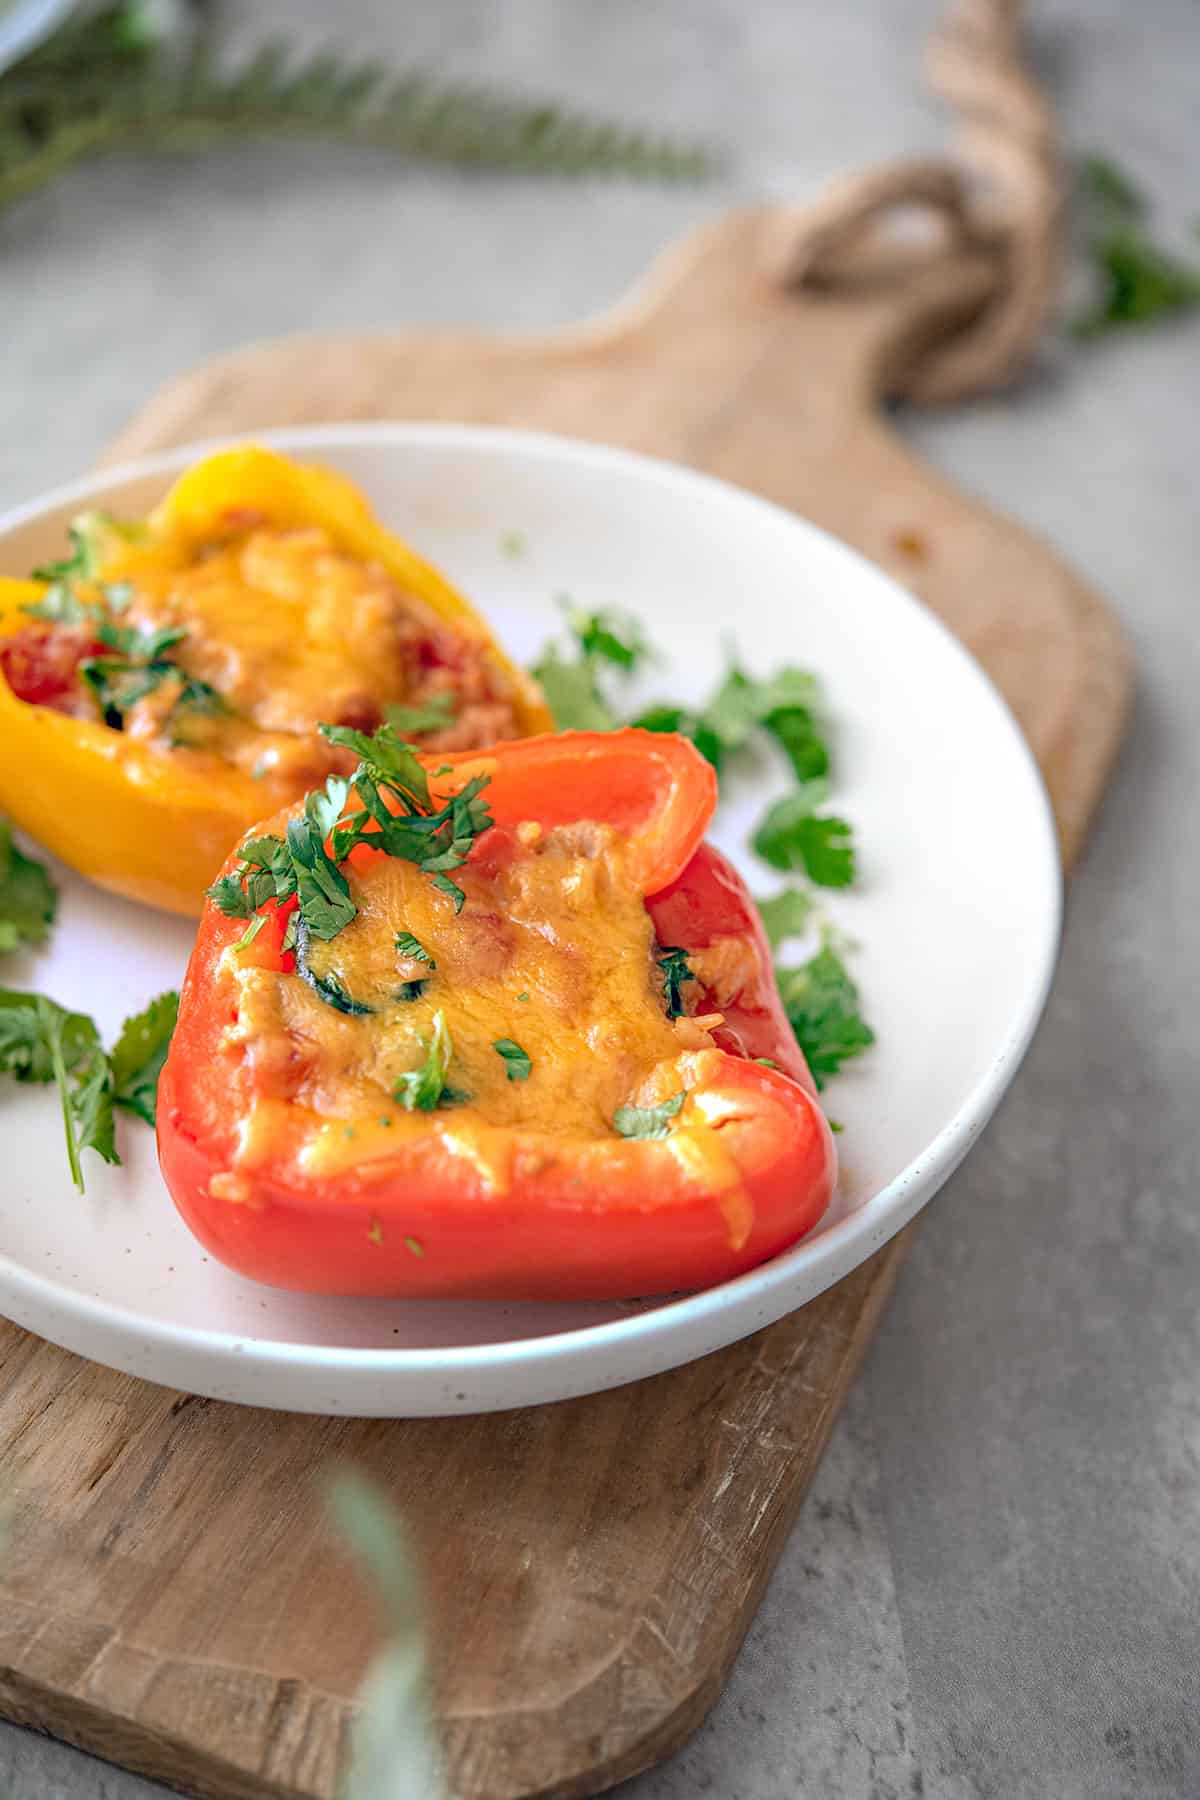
(957, 916)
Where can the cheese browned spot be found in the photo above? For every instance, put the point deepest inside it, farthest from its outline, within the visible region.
(559, 924)
(290, 631)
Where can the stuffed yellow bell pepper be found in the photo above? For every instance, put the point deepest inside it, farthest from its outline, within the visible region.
(161, 688)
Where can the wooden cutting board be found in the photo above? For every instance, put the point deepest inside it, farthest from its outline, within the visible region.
(170, 1599)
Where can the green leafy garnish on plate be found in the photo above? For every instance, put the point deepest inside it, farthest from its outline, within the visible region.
(794, 835)
(786, 914)
(28, 897)
(41, 1041)
(139, 1053)
(823, 1008)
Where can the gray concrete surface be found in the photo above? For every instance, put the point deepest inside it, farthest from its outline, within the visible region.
(994, 1590)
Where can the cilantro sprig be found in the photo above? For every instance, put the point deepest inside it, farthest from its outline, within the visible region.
(795, 835)
(600, 641)
(1138, 280)
(823, 1007)
(28, 897)
(399, 816)
(41, 1041)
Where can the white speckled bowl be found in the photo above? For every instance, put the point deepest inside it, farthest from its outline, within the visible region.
(957, 916)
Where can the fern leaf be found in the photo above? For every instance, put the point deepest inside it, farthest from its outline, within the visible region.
(99, 84)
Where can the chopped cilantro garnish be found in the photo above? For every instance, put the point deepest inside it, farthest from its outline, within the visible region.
(573, 693)
(517, 1062)
(423, 1088)
(408, 945)
(83, 562)
(28, 897)
(138, 665)
(42, 1041)
(675, 971)
(822, 1004)
(608, 636)
(444, 885)
(513, 543)
(793, 835)
(786, 914)
(647, 1121)
(433, 714)
(139, 1054)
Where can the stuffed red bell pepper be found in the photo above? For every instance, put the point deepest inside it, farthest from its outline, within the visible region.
(495, 1024)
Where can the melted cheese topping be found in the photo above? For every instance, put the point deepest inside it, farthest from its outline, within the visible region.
(289, 631)
(555, 952)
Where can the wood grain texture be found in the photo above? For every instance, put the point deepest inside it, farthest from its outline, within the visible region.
(172, 1600)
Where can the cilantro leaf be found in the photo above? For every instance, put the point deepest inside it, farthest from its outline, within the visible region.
(573, 694)
(325, 806)
(90, 1109)
(423, 1088)
(785, 914)
(229, 896)
(793, 835)
(795, 728)
(386, 760)
(675, 971)
(662, 716)
(83, 564)
(609, 636)
(28, 897)
(822, 1004)
(42, 1041)
(321, 889)
(518, 1063)
(58, 606)
(647, 1121)
(1138, 279)
(434, 714)
(408, 945)
(444, 885)
(139, 1053)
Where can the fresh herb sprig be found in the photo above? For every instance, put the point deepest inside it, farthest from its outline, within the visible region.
(1138, 281)
(41, 1041)
(825, 1012)
(28, 897)
(399, 816)
(599, 643)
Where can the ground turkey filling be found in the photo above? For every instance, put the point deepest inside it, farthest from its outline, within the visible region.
(273, 631)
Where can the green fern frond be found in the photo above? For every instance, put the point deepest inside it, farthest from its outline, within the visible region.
(106, 83)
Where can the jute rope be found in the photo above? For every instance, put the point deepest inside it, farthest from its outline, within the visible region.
(1009, 214)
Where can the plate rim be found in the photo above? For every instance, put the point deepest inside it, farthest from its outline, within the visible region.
(721, 1314)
